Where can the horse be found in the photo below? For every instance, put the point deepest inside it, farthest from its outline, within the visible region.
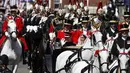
(12, 46)
(99, 63)
(122, 65)
(69, 57)
(37, 41)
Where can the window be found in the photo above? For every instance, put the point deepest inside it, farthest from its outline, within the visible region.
(56, 3)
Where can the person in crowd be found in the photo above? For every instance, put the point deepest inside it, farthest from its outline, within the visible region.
(82, 40)
(61, 33)
(85, 29)
(3, 64)
(96, 24)
(68, 40)
(126, 20)
(123, 40)
(112, 30)
(19, 24)
(86, 26)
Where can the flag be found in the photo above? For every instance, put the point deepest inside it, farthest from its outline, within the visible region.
(74, 2)
(39, 1)
(77, 4)
(70, 2)
(85, 2)
(47, 2)
(99, 6)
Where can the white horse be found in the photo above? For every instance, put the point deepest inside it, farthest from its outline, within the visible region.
(12, 46)
(100, 62)
(123, 57)
(63, 57)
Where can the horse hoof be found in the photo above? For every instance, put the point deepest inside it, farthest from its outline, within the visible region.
(30, 71)
(29, 67)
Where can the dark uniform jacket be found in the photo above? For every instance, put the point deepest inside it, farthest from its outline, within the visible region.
(6, 70)
(122, 44)
(112, 34)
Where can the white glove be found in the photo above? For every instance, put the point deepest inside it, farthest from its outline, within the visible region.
(7, 34)
(63, 41)
(27, 27)
(30, 28)
(35, 28)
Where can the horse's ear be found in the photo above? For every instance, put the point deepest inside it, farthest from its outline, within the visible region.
(129, 49)
(118, 47)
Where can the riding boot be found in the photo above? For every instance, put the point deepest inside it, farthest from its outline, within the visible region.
(24, 57)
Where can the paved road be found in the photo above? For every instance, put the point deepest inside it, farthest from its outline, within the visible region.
(23, 68)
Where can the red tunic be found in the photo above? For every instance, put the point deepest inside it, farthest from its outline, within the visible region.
(19, 25)
(60, 34)
(75, 35)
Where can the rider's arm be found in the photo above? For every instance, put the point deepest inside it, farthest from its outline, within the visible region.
(4, 26)
(20, 26)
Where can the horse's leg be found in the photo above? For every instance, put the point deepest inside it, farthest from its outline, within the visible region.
(15, 67)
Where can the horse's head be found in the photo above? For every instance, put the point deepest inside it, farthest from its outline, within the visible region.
(123, 59)
(97, 38)
(103, 55)
(12, 28)
(101, 50)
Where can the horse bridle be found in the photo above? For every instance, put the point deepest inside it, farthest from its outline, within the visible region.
(124, 53)
(104, 49)
(13, 32)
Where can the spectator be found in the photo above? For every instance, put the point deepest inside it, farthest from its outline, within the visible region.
(4, 63)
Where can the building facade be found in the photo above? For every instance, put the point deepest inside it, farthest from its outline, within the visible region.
(61, 3)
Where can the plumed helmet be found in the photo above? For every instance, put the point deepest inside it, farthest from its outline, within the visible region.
(46, 8)
(36, 6)
(29, 6)
(76, 21)
(60, 12)
(65, 6)
(81, 4)
(79, 11)
(96, 22)
(86, 8)
(67, 15)
(100, 11)
(69, 6)
(74, 7)
(41, 8)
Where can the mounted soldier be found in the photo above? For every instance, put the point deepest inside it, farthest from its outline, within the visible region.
(126, 19)
(123, 40)
(19, 24)
(112, 30)
(68, 39)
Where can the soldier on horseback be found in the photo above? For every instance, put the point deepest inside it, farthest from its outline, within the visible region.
(19, 24)
(112, 30)
(123, 40)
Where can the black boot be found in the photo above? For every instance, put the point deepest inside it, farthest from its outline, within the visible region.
(24, 57)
